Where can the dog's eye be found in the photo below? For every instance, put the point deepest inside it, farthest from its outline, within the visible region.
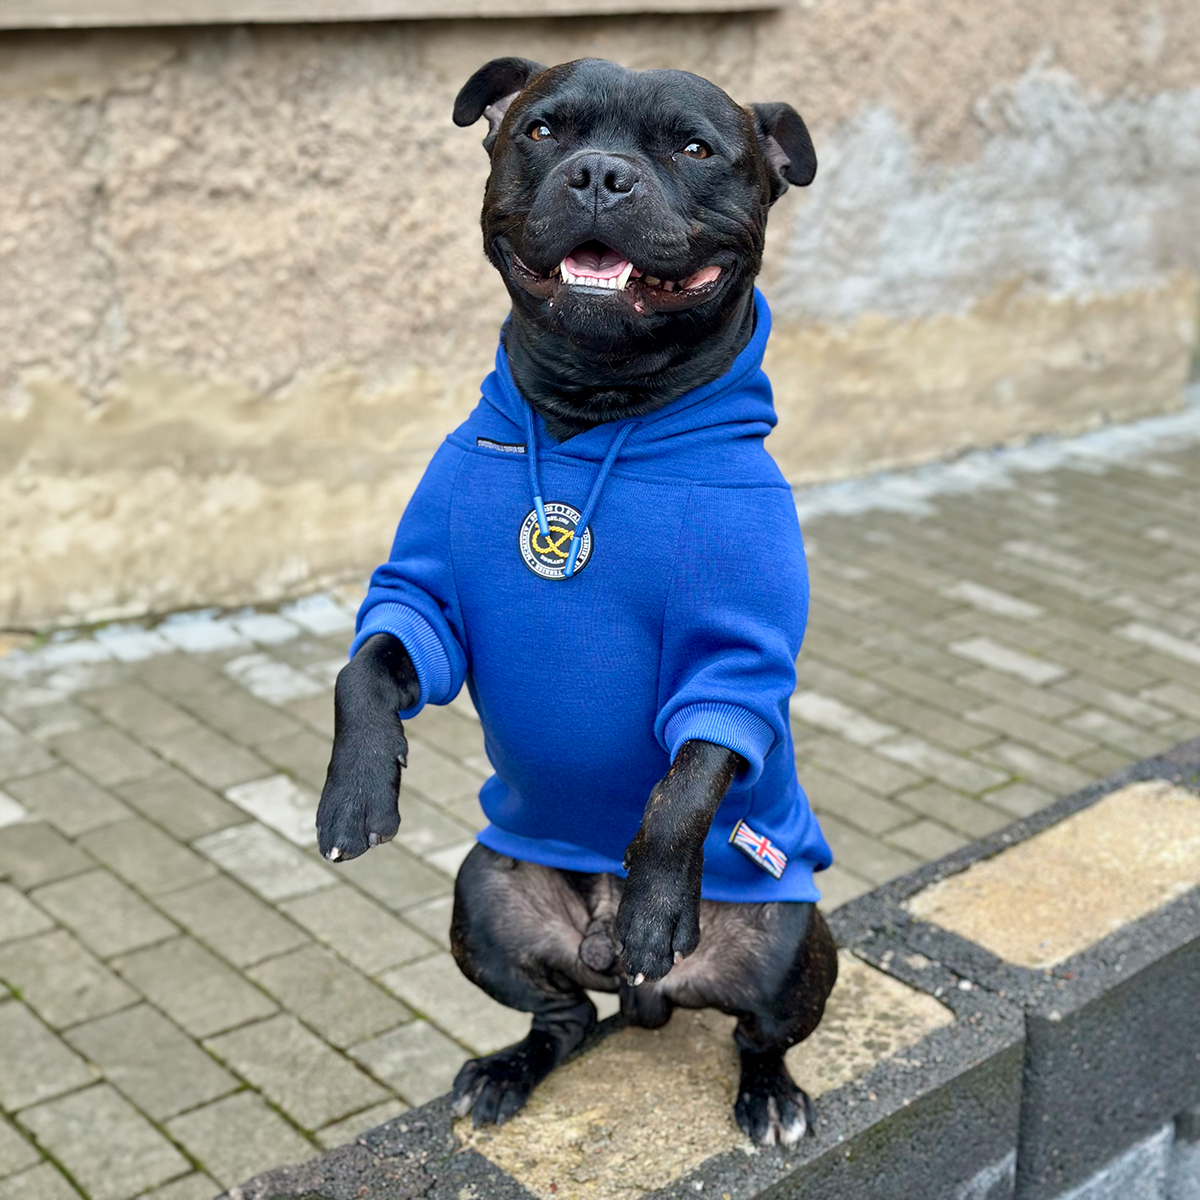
(539, 130)
(697, 150)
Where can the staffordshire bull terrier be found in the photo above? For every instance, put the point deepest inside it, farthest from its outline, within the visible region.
(608, 558)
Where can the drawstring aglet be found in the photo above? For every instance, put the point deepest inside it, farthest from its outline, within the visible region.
(572, 555)
(543, 527)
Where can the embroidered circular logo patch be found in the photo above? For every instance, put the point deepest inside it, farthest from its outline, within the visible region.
(547, 556)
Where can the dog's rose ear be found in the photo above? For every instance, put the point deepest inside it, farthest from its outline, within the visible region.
(786, 146)
(490, 91)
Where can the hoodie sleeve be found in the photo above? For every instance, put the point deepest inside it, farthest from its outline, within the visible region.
(413, 596)
(734, 621)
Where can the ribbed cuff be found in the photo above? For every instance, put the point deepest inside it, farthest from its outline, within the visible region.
(422, 643)
(727, 725)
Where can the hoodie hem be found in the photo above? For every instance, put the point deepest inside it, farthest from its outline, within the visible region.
(796, 885)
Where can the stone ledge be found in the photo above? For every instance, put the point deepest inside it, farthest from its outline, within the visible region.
(1017, 1084)
(74, 14)
(1112, 1052)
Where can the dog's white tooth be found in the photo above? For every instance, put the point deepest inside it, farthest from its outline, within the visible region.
(623, 278)
(562, 270)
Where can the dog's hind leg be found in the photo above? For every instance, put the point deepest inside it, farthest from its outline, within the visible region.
(773, 967)
(516, 932)
(771, 1108)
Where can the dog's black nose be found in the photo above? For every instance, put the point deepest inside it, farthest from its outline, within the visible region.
(604, 174)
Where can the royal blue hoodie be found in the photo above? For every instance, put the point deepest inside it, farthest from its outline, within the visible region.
(591, 658)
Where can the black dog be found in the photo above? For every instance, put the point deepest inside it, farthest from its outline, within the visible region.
(595, 168)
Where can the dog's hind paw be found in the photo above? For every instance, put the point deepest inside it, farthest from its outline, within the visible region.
(775, 1112)
(495, 1088)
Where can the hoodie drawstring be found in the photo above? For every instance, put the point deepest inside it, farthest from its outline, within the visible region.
(593, 499)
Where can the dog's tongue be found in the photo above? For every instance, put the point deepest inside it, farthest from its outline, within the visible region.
(594, 264)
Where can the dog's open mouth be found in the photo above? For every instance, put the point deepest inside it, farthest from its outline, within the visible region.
(593, 267)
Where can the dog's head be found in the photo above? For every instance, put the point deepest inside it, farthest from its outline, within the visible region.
(627, 206)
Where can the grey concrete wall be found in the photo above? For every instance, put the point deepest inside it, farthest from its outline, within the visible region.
(242, 295)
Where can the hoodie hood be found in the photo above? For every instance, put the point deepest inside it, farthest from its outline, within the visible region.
(673, 442)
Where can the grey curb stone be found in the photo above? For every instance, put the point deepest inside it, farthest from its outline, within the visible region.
(1112, 1033)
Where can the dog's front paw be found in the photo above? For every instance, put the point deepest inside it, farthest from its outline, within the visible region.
(358, 807)
(658, 922)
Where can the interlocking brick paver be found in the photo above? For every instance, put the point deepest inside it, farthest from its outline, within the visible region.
(228, 919)
(16, 1153)
(37, 1065)
(68, 800)
(449, 858)
(282, 804)
(11, 812)
(104, 914)
(193, 987)
(1120, 704)
(60, 980)
(426, 827)
(865, 856)
(106, 1144)
(1047, 737)
(1009, 660)
(20, 755)
(358, 929)
(1028, 764)
(18, 917)
(927, 839)
(238, 1137)
(432, 918)
(394, 877)
(239, 715)
(40, 1183)
(1019, 799)
(316, 712)
(264, 862)
(134, 708)
(831, 793)
(212, 758)
(148, 1059)
(953, 809)
(304, 754)
(950, 768)
(176, 802)
(437, 989)
(859, 766)
(341, 1132)
(1114, 733)
(1014, 693)
(190, 1187)
(329, 996)
(296, 1070)
(105, 754)
(416, 1059)
(1181, 699)
(145, 856)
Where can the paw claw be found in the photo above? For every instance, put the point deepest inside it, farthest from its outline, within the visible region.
(334, 854)
(372, 839)
(639, 979)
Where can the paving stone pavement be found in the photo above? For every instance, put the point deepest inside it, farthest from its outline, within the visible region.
(190, 995)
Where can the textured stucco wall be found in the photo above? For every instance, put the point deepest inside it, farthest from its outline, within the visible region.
(242, 295)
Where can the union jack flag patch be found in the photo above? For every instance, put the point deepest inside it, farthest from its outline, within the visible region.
(758, 848)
